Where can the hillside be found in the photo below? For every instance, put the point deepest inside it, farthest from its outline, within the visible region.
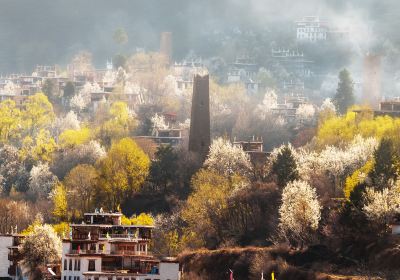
(316, 263)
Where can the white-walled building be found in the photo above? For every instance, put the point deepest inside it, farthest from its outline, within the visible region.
(10, 257)
(101, 248)
(5, 242)
(312, 29)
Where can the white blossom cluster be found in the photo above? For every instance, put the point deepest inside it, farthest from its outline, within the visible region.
(80, 100)
(332, 160)
(41, 180)
(10, 88)
(328, 105)
(158, 121)
(381, 206)
(42, 246)
(227, 159)
(269, 102)
(170, 87)
(305, 112)
(70, 121)
(300, 210)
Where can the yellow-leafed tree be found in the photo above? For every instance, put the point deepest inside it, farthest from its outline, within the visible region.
(120, 123)
(10, 118)
(38, 113)
(357, 177)
(39, 148)
(206, 204)
(70, 138)
(60, 210)
(122, 171)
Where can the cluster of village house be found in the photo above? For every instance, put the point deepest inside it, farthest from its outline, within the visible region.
(101, 248)
(243, 70)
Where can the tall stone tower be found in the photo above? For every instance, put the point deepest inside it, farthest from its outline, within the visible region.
(199, 137)
(372, 87)
(166, 45)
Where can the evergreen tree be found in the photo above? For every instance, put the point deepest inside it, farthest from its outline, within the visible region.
(344, 97)
(285, 167)
(69, 90)
(49, 88)
(163, 170)
(384, 164)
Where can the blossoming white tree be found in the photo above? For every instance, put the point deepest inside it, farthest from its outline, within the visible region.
(299, 213)
(41, 180)
(305, 112)
(70, 121)
(159, 122)
(40, 247)
(92, 151)
(78, 102)
(170, 87)
(381, 206)
(328, 105)
(270, 101)
(10, 88)
(334, 162)
(227, 159)
(87, 90)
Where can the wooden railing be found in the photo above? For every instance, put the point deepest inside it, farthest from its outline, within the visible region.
(130, 252)
(76, 252)
(112, 252)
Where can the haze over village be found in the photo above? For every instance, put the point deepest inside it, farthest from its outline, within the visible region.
(177, 140)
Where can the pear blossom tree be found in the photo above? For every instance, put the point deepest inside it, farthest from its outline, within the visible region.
(269, 102)
(305, 112)
(299, 213)
(10, 88)
(69, 121)
(381, 206)
(327, 105)
(78, 102)
(40, 247)
(227, 159)
(41, 180)
(87, 90)
(158, 122)
(335, 162)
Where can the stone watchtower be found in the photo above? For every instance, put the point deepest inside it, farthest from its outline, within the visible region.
(199, 137)
(166, 45)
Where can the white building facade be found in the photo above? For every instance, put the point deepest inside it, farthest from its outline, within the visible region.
(101, 248)
(311, 29)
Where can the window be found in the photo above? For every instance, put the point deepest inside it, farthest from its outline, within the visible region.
(65, 277)
(92, 266)
(70, 264)
(65, 265)
(69, 277)
(77, 265)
